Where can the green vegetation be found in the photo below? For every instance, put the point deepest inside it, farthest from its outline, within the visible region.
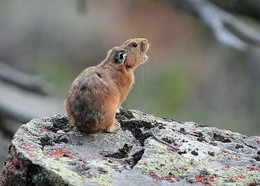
(59, 74)
(162, 90)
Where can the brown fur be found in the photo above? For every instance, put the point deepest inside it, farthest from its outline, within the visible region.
(98, 91)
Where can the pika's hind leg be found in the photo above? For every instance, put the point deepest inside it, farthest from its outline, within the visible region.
(114, 127)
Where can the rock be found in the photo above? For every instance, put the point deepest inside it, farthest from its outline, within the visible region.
(5, 143)
(146, 151)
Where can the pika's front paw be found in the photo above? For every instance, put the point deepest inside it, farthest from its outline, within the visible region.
(118, 110)
(114, 127)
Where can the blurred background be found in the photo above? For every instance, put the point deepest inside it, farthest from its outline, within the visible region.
(190, 76)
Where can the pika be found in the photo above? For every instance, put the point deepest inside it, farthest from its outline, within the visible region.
(98, 92)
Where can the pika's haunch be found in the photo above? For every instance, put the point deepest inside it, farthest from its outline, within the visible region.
(97, 93)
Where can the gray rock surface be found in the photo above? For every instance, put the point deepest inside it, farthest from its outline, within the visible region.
(146, 151)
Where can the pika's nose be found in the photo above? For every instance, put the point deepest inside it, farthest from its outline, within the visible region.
(143, 40)
(144, 45)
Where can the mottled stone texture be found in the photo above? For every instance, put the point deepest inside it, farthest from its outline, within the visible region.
(146, 151)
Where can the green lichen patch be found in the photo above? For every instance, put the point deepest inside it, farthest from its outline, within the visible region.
(59, 167)
(102, 174)
(172, 167)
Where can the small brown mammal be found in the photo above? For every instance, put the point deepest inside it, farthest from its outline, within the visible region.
(97, 93)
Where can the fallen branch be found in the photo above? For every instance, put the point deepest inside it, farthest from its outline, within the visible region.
(250, 8)
(22, 80)
(22, 106)
(226, 28)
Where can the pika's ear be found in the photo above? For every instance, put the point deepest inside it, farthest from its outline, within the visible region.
(120, 58)
(109, 53)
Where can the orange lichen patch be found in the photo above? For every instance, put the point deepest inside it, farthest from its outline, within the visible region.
(83, 160)
(236, 178)
(225, 151)
(45, 130)
(60, 153)
(184, 168)
(204, 179)
(24, 146)
(31, 154)
(170, 177)
(225, 168)
(254, 168)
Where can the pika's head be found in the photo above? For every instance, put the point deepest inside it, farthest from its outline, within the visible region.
(130, 54)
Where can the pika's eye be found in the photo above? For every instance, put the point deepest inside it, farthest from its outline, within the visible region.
(134, 44)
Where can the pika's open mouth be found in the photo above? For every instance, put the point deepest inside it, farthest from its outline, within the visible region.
(145, 59)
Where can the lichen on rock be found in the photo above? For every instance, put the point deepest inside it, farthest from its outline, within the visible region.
(146, 151)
